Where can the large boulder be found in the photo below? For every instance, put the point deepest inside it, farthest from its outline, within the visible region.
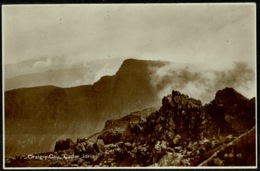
(64, 144)
(111, 136)
(100, 145)
(176, 139)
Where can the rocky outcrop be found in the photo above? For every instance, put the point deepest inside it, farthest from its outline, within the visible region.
(239, 112)
(182, 132)
(64, 144)
(239, 152)
(230, 112)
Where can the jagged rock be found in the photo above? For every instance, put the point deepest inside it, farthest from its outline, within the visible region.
(183, 101)
(202, 149)
(74, 161)
(167, 102)
(142, 148)
(229, 138)
(131, 125)
(158, 151)
(61, 153)
(170, 135)
(171, 123)
(176, 159)
(244, 145)
(89, 148)
(160, 119)
(160, 147)
(85, 164)
(110, 146)
(100, 145)
(128, 144)
(109, 161)
(142, 120)
(213, 144)
(134, 150)
(98, 158)
(80, 161)
(218, 162)
(177, 148)
(176, 139)
(205, 143)
(234, 109)
(80, 140)
(63, 144)
(80, 149)
(109, 123)
(138, 129)
(73, 165)
(110, 136)
(166, 160)
(158, 128)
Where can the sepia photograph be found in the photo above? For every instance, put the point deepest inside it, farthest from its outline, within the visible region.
(155, 85)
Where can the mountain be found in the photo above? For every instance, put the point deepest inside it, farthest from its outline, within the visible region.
(57, 71)
(63, 78)
(50, 112)
(182, 132)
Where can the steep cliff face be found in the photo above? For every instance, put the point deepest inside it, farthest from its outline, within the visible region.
(52, 111)
(183, 132)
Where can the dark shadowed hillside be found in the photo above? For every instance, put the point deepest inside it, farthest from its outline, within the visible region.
(57, 112)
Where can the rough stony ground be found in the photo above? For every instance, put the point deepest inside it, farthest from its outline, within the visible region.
(182, 132)
(239, 152)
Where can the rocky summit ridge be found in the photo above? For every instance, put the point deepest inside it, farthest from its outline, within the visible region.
(183, 132)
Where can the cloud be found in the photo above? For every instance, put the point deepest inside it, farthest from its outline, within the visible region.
(43, 63)
(202, 82)
(160, 29)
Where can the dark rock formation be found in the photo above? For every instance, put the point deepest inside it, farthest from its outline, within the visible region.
(239, 152)
(182, 132)
(231, 112)
(64, 144)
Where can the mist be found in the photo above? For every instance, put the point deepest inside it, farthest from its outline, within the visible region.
(58, 71)
(202, 81)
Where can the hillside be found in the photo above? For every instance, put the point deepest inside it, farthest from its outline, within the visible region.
(49, 113)
(183, 132)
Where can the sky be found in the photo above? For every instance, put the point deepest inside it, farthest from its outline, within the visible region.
(213, 33)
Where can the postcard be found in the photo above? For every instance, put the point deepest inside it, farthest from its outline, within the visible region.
(169, 85)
